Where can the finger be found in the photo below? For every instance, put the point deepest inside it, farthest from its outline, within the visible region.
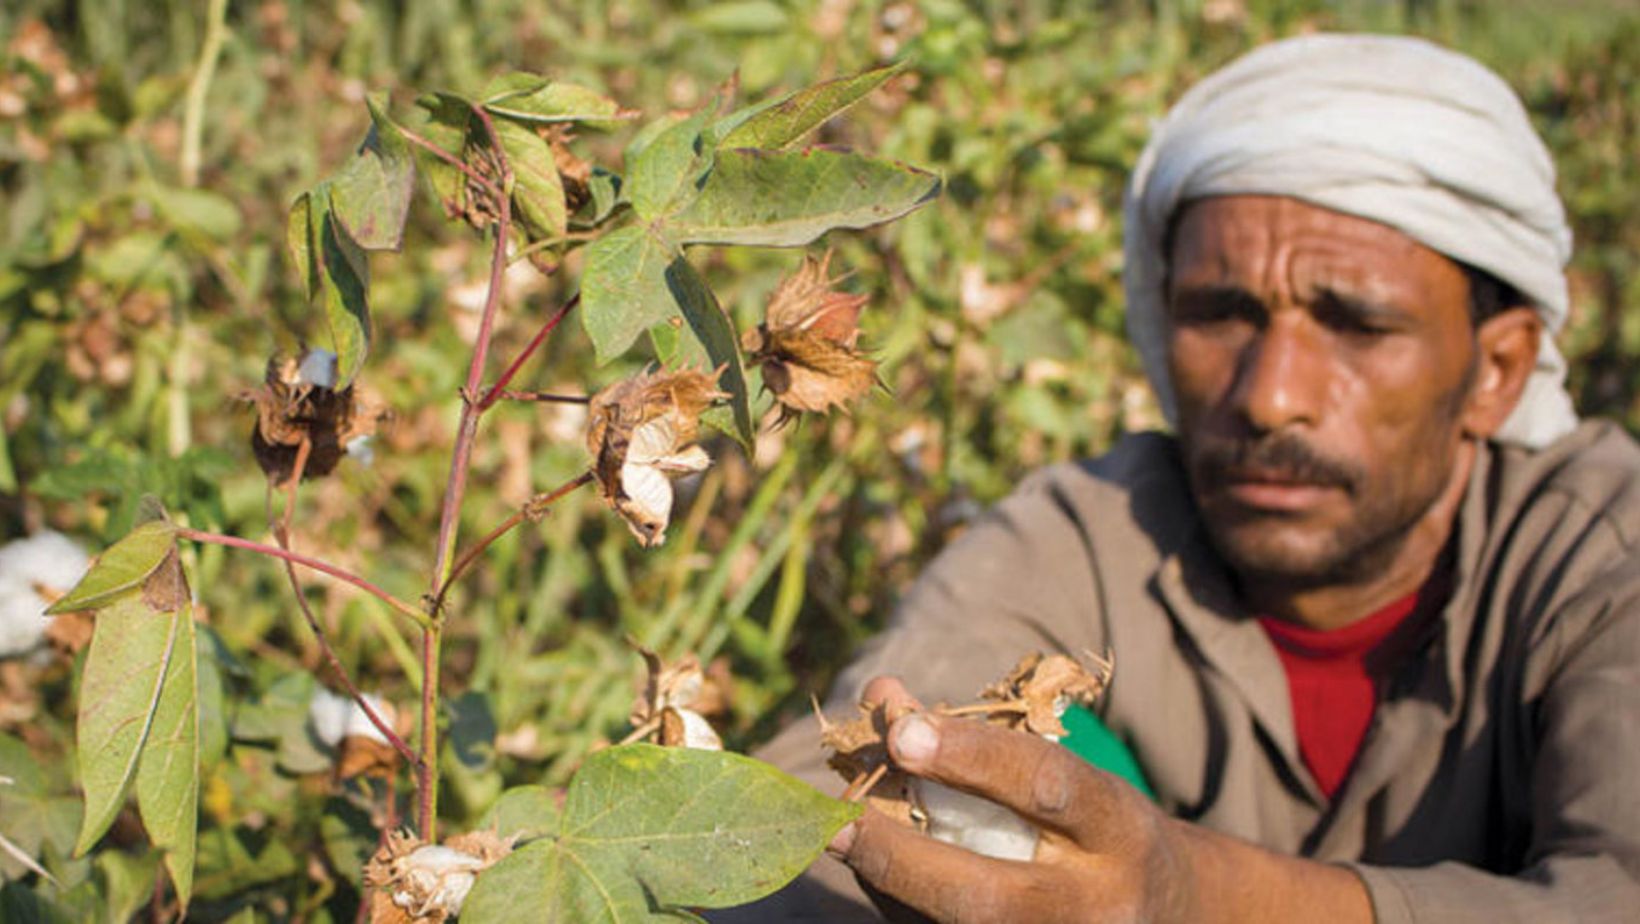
(890, 693)
(943, 881)
(1041, 780)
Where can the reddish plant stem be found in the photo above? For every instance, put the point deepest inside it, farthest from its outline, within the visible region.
(498, 390)
(532, 509)
(455, 488)
(322, 567)
(543, 396)
(281, 533)
(450, 159)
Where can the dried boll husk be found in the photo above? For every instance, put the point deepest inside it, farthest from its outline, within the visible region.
(1041, 687)
(673, 708)
(412, 881)
(640, 432)
(807, 343)
(1032, 698)
(299, 400)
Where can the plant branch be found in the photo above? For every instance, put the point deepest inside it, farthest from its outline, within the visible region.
(533, 509)
(450, 513)
(454, 161)
(544, 243)
(323, 567)
(281, 532)
(543, 396)
(497, 390)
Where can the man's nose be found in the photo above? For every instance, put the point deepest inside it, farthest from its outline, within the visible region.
(1281, 380)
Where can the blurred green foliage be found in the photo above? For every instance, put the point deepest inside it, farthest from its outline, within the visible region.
(136, 304)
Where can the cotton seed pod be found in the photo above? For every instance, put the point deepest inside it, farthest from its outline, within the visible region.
(427, 883)
(299, 400)
(807, 343)
(676, 699)
(1032, 698)
(640, 433)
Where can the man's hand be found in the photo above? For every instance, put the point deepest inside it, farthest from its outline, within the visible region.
(1106, 853)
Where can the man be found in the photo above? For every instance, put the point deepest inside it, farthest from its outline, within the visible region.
(1375, 608)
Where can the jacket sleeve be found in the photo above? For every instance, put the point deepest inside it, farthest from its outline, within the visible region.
(1584, 860)
(1018, 581)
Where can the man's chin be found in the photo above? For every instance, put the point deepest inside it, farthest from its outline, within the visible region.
(1267, 556)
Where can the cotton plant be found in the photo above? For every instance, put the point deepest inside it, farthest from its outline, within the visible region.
(507, 163)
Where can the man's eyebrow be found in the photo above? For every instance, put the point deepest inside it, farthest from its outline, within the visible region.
(1223, 295)
(1359, 307)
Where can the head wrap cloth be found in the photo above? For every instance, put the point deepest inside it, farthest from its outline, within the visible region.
(1393, 130)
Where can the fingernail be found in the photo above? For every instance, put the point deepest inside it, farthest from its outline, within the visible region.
(842, 841)
(915, 740)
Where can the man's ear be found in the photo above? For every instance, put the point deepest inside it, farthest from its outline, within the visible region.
(1506, 349)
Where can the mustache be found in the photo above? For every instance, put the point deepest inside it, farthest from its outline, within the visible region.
(1282, 454)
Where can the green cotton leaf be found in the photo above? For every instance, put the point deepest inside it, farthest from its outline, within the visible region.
(336, 269)
(787, 199)
(539, 209)
(131, 650)
(623, 288)
(606, 193)
(168, 771)
(299, 241)
(647, 832)
(449, 120)
(663, 177)
(121, 569)
(370, 195)
(783, 121)
(198, 212)
(345, 282)
(540, 100)
(525, 811)
(716, 333)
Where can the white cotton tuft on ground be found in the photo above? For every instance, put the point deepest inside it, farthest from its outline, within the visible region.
(47, 561)
(980, 825)
(334, 716)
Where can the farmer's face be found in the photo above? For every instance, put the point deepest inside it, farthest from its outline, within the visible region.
(1321, 364)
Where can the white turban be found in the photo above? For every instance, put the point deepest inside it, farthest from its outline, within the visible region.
(1395, 130)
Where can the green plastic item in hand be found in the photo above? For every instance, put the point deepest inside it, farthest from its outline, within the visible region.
(1089, 739)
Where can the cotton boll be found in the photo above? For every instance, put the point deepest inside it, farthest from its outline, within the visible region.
(977, 824)
(436, 879)
(33, 573)
(334, 716)
(318, 368)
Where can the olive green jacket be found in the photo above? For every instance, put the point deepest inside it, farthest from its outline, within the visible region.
(1500, 780)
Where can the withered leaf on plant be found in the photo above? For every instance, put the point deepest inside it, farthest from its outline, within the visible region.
(807, 343)
(298, 401)
(641, 432)
(677, 699)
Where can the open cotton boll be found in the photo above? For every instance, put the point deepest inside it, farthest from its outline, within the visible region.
(974, 823)
(33, 573)
(436, 879)
(334, 717)
(317, 368)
